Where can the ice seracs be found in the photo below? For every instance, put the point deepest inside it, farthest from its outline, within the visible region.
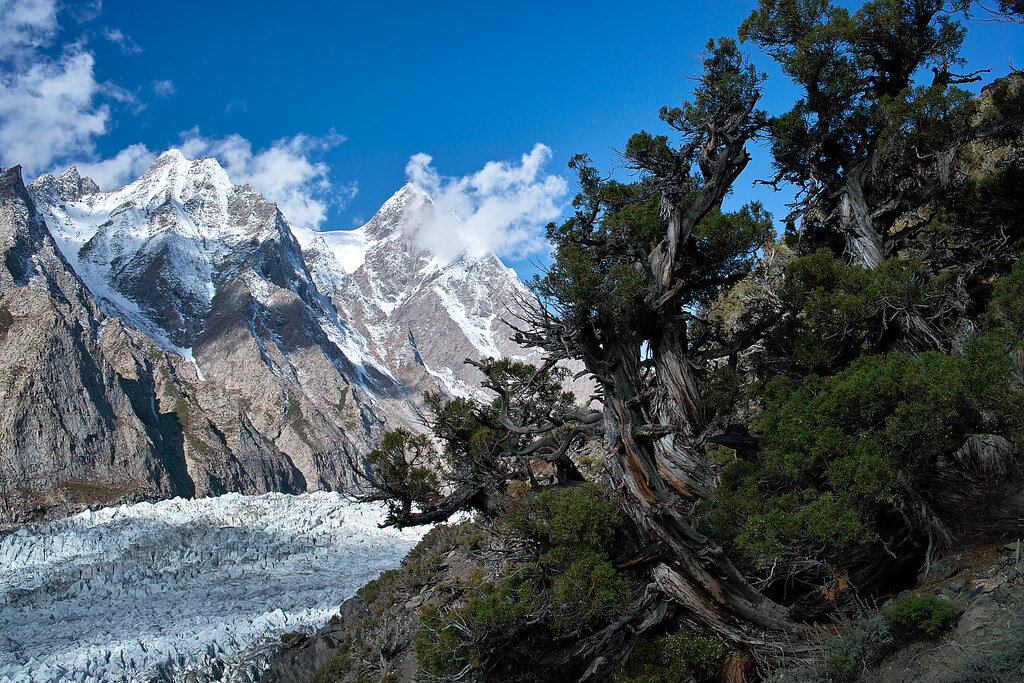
(152, 591)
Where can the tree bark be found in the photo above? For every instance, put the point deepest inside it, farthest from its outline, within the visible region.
(864, 242)
(663, 479)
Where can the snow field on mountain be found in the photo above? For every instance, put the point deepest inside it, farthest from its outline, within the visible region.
(153, 590)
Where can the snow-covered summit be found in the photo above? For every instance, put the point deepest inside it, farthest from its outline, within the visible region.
(398, 217)
(422, 315)
(155, 251)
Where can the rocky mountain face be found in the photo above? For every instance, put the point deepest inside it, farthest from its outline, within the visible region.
(421, 317)
(172, 337)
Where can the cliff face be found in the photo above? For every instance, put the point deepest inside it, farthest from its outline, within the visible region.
(69, 428)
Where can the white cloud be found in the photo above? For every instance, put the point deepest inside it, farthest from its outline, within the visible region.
(26, 24)
(122, 40)
(287, 172)
(163, 87)
(53, 108)
(501, 208)
(51, 105)
(120, 169)
(49, 111)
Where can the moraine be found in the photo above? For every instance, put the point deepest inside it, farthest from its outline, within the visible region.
(156, 591)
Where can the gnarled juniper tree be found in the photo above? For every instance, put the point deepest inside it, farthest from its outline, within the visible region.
(639, 265)
(634, 268)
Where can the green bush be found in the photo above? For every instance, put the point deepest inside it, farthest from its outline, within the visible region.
(562, 584)
(835, 451)
(921, 614)
(292, 638)
(585, 587)
(841, 311)
(1006, 307)
(457, 640)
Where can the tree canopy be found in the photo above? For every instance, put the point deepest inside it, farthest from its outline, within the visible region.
(784, 425)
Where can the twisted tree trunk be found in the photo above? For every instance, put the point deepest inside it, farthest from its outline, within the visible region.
(663, 477)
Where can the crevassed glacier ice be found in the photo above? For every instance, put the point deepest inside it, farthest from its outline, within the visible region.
(154, 590)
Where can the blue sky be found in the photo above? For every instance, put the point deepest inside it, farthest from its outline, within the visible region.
(322, 105)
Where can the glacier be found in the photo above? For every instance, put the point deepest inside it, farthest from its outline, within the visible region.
(182, 589)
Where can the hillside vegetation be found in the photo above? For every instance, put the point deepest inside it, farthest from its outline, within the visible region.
(788, 429)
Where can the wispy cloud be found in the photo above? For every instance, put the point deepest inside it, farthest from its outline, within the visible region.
(290, 171)
(122, 40)
(501, 208)
(26, 24)
(163, 88)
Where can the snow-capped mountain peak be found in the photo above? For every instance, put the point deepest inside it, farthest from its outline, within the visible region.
(302, 356)
(155, 251)
(422, 315)
(402, 213)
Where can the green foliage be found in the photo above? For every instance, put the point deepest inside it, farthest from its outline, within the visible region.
(291, 638)
(458, 640)
(401, 468)
(584, 587)
(79, 490)
(181, 413)
(578, 515)
(835, 449)
(340, 405)
(722, 389)
(294, 410)
(921, 613)
(860, 111)
(840, 311)
(602, 284)
(1006, 307)
(565, 586)
(470, 444)
(609, 282)
(672, 658)
(381, 586)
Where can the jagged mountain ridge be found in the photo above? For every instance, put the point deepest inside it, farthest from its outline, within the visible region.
(218, 354)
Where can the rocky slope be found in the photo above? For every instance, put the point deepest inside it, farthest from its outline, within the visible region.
(171, 337)
(981, 641)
